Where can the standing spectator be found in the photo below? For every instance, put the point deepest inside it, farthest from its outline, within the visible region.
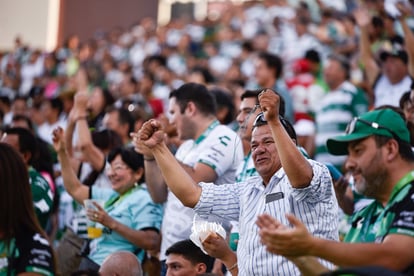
(51, 109)
(343, 102)
(392, 78)
(42, 162)
(248, 111)
(225, 107)
(211, 152)
(119, 120)
(268, 73)
(99, 100)
(288, 182)
(30, 70)
(24, 249)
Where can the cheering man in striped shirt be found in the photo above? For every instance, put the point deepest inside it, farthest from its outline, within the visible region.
(288, 183)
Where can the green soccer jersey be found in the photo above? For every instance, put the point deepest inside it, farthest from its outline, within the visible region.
(42, 196)
(375, 222)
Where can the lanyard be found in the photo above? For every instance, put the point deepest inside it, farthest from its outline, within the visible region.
(207, 132)
(408, 178)
(116, 200)
(243, 173)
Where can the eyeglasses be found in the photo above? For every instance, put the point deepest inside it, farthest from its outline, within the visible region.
(351, 127)
(117, 168)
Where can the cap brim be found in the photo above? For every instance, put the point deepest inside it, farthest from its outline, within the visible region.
(339, 145)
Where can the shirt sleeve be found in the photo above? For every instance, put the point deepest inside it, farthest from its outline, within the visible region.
(220, 200)
(320, 187)
(221, 154)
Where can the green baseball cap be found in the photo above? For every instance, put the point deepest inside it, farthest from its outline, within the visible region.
(384, 122)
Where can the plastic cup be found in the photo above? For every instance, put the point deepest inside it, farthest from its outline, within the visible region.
(94, 229)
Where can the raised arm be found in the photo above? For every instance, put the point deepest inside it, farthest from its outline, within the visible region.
(370, 66)
(155, 182)
(178, 180)
(72, 184)
(408, 35)
(90, 152)
(297, 168)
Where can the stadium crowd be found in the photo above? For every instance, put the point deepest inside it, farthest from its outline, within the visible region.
(145, 119)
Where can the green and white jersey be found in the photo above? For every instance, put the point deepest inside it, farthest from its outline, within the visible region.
(42, 196)
(336, 110)
(28, 253)
(375, 222)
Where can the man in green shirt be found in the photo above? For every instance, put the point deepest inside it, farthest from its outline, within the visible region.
(382, 234)
(25, 143)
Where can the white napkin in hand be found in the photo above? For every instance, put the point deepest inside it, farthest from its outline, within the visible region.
(201, 229)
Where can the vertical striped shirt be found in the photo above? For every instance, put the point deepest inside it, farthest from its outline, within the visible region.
(315, 206)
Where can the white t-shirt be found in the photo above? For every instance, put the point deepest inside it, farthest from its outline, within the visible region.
(387, 93)
(218, 147)
(45, 130)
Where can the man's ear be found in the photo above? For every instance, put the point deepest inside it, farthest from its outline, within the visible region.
(190, 108)
(27, 156)
(392, 148)
(201, 268)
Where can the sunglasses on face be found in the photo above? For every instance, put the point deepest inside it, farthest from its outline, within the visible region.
(351, 126)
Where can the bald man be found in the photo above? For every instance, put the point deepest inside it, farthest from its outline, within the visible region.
(121, 263)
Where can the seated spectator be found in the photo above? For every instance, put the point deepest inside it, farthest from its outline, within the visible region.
(88, 161)
(122, 263)
(130, 218)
